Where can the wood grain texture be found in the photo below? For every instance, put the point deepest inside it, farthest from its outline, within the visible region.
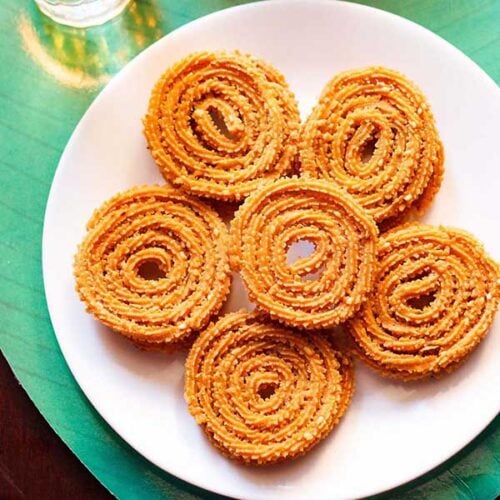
(34, 462)
(49, 77)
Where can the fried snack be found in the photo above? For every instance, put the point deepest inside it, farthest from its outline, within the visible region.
(317, 291)
(435, 297)
(264, 393)
(373, 134)
(219, 123)
(154, 266)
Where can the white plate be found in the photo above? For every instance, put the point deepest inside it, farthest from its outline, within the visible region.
(393, 432)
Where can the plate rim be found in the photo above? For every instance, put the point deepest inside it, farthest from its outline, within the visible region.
(109, 88)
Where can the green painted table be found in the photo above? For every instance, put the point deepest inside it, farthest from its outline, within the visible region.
(49, 75)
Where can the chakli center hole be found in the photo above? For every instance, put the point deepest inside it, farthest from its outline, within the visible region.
(368, 148)
(299, 250)
(422, 301)
(150, 270)
(265, 391)
(219, 122)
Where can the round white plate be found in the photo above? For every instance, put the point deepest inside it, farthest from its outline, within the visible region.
(393, 432)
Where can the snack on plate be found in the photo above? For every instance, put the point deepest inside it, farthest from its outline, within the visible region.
(264, 393)
(218, 123)
(373, 134)
(317, 291)
(434, 299)
(153, 266)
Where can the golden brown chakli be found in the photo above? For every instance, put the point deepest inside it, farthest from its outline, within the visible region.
(264, 393)
(218, 123)
(435, 297)
(317, 291)
(153, 265)
(155, 262)
(373, 134)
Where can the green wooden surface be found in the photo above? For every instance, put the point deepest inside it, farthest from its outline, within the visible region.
(48, 77)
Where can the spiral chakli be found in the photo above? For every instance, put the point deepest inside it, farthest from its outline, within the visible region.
(435, 297)
(219, 123)
(153, 266)
(264, 393)
(316, 291)
(373, 134)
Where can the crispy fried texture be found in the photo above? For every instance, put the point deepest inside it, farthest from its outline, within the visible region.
(375, 109)
(182, 238)
(435, 297)
(264, 393)
(322, 289)
(218, 123)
